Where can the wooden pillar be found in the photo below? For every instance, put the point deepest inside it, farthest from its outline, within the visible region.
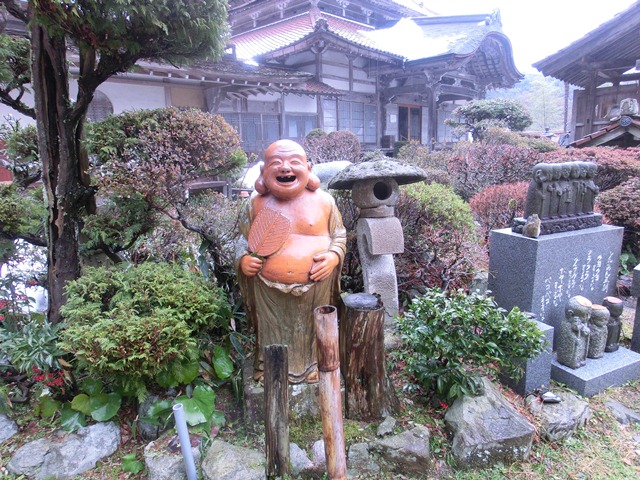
(330, 401)
(369, 394)
(276, 422)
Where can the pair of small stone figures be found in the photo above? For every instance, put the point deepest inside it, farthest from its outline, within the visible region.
(588, 330)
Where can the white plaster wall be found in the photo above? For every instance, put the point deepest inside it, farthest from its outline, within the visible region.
(300, 104)
(127, 96)
(339, 84)
(7, 112)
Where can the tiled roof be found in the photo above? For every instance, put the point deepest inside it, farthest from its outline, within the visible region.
(313, 87)
(409, 39)
(590, 140)
(427, 37)
(269, 38)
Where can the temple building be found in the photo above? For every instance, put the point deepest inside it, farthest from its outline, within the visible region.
(387, 70)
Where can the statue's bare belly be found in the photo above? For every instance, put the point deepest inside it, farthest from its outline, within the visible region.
(293, 262)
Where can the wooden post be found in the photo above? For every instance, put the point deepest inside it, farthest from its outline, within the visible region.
(368, 391)
(276, 422)
(330, 400)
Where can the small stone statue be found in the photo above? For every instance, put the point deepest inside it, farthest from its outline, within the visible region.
(598, 326)
(615, 307)
(574, 333)
(532, 226)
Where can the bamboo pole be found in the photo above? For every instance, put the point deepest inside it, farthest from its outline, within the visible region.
(276, 422)
(329, 386)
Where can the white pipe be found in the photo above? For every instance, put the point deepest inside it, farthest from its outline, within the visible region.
(185, 441)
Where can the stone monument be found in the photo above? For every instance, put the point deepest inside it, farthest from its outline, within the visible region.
(574, 255)
(375, 191)
(598, 328)
(615, 307)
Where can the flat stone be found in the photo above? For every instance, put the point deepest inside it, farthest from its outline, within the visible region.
(386, 426)
(362, 301)
(488, 429)
(407, 452)
(612, 370)
(59, 456)
(560, 420)
(327, 170)
(165, 464)
(224, 461)
(403, 173)
(623, 414)
(299, 459)
(360, 461)
(8, 428)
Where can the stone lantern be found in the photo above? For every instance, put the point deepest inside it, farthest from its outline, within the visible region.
(375, 190)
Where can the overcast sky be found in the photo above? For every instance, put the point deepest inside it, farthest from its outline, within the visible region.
(538, 28)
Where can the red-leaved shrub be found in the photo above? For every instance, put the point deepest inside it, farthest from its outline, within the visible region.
(615, 165)
(621, 206)
(475, 166)
(496, 206)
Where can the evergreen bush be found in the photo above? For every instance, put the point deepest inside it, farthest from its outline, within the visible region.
(497, 206)
(139, 326)
(451, 340)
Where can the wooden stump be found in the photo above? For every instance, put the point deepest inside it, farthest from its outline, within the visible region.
(330, 399)
(276, 422)
(368, 391)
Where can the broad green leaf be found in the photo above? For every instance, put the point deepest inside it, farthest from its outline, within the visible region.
(81, 403)
(218, 419)
(200, 407)
(92, 386)
(189, 372)
(130, 464)
(166, 378)
(104, 406)
(47, 406)
(222, 363)
(71, 419)
(160, 408)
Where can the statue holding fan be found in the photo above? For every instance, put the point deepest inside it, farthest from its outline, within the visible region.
(295, 243)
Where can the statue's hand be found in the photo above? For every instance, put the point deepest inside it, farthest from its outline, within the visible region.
(323, 265)
(250, 265)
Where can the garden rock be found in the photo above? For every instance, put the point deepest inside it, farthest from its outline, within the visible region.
(360, 461)
(299, 459)
(386, 427)
(407, 452)
(166, 463)
(224, 461)
(559, 420)
(8, 428)
(66, 455)
(488, 429)
(623, 414)
(149, 430)
(318, 458)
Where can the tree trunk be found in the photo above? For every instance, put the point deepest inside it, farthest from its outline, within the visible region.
(276, 418)
(369, 394)
(58, 145)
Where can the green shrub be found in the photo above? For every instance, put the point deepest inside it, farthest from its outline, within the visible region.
(33, 347)
(322, 147)
(433, 163)
(453, 340)
(621, 206)
(139, 325)
(441, 248)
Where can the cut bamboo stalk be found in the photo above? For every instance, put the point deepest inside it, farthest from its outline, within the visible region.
(276, 423)
(330, 401)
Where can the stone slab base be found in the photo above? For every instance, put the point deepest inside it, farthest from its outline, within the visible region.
(537, 370)
(304, 400)
(613, 369)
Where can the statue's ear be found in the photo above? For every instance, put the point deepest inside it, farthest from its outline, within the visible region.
(260, 187)
(314, 182)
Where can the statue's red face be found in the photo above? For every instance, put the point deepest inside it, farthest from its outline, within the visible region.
(286, 170)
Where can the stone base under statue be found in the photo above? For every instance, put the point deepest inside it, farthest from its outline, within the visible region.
(561, 224)
(598, 374)
(304, 400)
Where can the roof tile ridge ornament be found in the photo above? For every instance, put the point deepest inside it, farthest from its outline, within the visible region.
(321, 25)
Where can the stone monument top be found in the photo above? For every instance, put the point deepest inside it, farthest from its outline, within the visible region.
(562, 195)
